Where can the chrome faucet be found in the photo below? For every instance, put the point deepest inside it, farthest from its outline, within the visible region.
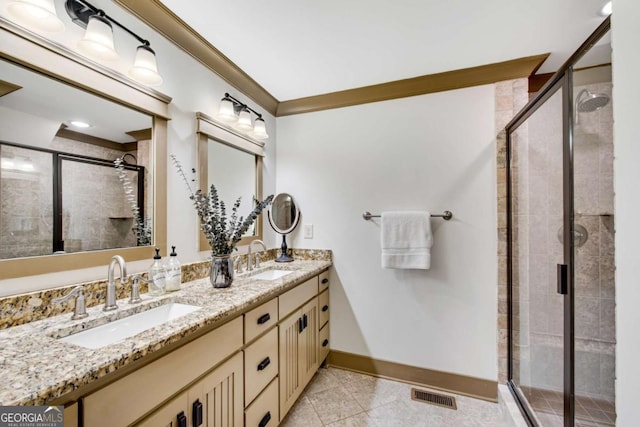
(110, 300)
(135, 288)
(249, 265)
(80, 312)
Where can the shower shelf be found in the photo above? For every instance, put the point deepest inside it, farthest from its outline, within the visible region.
(595, 214)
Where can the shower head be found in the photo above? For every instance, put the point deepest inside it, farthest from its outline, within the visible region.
(590, 102)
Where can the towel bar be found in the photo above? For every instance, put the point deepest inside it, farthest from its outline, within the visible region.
(446, 215)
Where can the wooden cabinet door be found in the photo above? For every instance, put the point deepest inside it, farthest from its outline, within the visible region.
(308, 354)
(217, 400)
(298, 353)
(169, 414)
(290, 333)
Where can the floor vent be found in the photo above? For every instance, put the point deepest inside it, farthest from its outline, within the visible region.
(433, 398)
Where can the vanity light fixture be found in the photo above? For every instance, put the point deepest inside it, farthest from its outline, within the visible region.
(98, 44)
(233, 111)
(606, 9)
(17, 163)
(37, 15)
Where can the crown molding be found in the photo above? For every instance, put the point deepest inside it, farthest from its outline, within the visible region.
(431, 83)
(164, 21)
(169, 25)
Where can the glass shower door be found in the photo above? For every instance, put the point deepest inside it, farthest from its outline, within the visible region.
(536, 215)
(561, 245)
(593, 243)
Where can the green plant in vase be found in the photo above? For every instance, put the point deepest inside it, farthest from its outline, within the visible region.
(221, 231)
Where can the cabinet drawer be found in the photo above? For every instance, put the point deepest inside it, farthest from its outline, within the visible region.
(324, 281)
(324, 345)
(297, 296)
(260, 365)
(323, 308)
(260, 319)
(156, 382)
(71, 415)
(167, 415)
(263, 412)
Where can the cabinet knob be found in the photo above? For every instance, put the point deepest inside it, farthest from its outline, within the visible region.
(325, 307)
(266, 362)
(264, 319)
(196, 412)
(325, 281)
(265, 420)
(325, 342)
(300, 327)
(182, 419)
(305, 321)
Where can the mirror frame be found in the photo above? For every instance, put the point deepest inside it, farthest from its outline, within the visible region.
(37, 53)
(295, 222)
(208, 129)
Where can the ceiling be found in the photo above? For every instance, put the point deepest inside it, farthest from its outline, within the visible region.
(299, 48)
(42, 98)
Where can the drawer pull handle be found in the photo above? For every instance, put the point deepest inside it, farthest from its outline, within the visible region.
(266, 362)
(304, 321)
(325, 281)
(325, 307)
(197, 413)
(300, 327)
(265, 420)
(264, 319)
(182, 420)
(325, 342)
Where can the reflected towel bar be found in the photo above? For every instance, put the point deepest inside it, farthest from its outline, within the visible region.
(446, 215)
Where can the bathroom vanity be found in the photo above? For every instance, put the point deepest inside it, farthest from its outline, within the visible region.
(242, 358)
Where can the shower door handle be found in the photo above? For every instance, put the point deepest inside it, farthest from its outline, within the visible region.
(563, 279)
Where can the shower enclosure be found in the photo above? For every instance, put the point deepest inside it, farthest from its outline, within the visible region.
(561, 245)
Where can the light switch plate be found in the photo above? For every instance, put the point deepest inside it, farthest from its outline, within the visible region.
(308, 231)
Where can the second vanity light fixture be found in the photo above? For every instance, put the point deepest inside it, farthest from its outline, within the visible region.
(238, 114)
(97, 43)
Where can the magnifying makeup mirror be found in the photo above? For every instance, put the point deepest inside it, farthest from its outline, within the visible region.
(283, 216)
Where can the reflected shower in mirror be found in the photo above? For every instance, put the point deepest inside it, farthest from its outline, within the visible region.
(60, 190)
(283, 216)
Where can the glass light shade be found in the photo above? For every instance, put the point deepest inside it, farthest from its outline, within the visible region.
(145, 68)
(244, 121)
(98, 40)
(259, 129)
(37, 15)
(226, 113)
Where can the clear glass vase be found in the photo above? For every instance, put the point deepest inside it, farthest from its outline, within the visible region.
(221, 274)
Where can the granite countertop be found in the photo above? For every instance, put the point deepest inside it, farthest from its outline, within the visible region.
(37, 368)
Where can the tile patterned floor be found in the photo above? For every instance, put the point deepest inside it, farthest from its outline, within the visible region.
(339, 398)
(590, 412)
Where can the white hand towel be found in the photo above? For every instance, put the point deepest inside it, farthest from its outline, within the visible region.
(406, 240)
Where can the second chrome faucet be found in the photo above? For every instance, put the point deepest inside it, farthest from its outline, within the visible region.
(249, 264)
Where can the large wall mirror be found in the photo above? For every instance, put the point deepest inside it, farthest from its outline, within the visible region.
(233, 163)
(60, 190)
(65, 202)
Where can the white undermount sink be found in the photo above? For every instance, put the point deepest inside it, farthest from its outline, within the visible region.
(118, 330)
(271, 274)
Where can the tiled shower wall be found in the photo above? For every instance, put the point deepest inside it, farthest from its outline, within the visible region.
(511, 96)
(594, 279)
(26, 207)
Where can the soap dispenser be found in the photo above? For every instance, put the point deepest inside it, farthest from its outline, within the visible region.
(174, 272)
(157, 276)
